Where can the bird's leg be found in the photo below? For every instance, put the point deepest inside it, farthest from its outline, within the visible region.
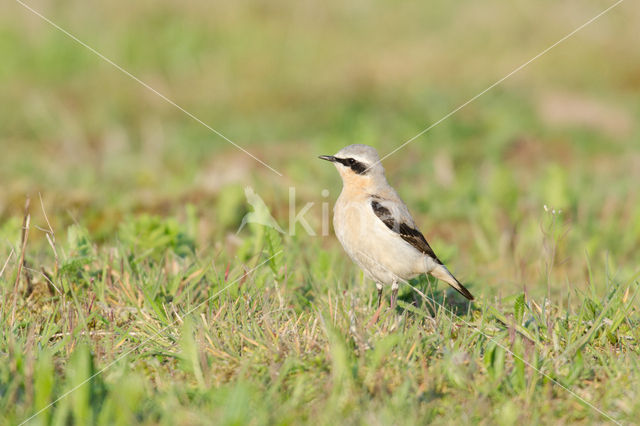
(394, 294)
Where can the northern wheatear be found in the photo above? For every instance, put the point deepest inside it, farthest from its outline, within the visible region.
(375, 227)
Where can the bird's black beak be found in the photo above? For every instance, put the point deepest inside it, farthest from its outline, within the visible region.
(328, 158)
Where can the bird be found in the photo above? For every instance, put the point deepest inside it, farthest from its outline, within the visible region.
(375, 227)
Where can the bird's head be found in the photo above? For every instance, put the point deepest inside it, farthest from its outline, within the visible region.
(357, 164)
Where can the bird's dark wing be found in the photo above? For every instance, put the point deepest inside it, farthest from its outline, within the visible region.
(408, 233)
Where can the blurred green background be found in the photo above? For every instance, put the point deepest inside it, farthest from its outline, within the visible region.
(290, 81)
(145, 202)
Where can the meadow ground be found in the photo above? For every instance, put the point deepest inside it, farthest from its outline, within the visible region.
(132, 298)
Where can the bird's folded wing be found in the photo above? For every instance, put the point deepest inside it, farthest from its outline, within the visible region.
(397, 218)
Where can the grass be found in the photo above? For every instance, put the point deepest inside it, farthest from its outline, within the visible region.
(132, 299)
(188, 336)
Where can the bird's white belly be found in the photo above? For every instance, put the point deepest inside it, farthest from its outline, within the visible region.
(381, 253)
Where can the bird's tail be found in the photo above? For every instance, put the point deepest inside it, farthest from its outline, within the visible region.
(442, 273)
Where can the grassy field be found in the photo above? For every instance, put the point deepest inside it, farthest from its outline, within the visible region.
(128, 296)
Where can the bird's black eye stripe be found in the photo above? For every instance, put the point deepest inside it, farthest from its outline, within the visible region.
(354, 164)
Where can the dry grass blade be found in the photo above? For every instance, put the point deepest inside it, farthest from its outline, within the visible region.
(24, 238)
